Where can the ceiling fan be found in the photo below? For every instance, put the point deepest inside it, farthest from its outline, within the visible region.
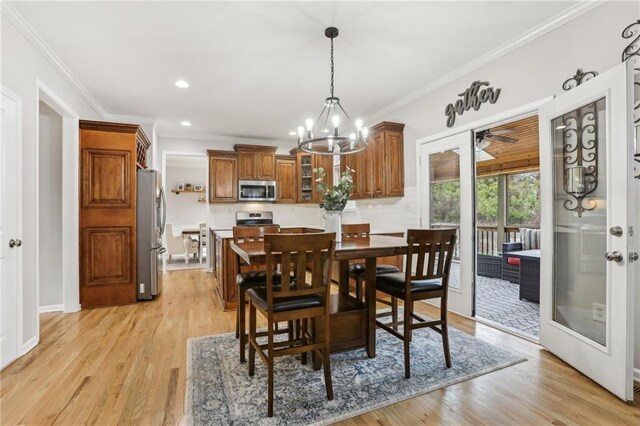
(485, 137)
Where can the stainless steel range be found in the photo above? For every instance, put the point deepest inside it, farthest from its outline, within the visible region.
(254, 218)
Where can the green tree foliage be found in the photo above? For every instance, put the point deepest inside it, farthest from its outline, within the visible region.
(487, 201)
(523, 200)
(523, 204)
(445, 202)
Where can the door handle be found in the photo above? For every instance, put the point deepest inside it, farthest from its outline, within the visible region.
(614, 256)
(616, 231)
(633, 256)
(15, 243)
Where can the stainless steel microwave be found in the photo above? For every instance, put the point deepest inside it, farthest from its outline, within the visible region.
(256, 190)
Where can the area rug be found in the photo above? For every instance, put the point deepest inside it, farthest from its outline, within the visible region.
(219, 390)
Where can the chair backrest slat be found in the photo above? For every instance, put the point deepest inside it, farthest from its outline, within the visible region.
(243, 234)
(435, 247)
(300, 251)
(355, 230)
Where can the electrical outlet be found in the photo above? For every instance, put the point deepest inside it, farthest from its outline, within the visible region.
(599, 312)
(142, 291)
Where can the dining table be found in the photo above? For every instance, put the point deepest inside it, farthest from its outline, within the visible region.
(352, 322)
(190, 232)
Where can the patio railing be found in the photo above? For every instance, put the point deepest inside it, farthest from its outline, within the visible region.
(487, 238)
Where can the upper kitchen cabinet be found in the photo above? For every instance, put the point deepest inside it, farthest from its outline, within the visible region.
(306, 179)
(223, 177)
(379, 169)
(256, 162)
(286, 179)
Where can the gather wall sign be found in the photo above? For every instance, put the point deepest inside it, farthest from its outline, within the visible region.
(477, 94)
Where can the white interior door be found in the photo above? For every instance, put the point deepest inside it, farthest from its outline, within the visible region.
(10, 243)
(447, 202)
(586, 169)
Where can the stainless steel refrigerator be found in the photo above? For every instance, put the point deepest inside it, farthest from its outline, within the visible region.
(151, 216)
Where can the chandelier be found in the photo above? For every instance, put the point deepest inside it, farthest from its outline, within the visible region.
(333, 133)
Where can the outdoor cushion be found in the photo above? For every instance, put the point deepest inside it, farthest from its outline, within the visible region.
(530, 238)
(513, 261)
(259, 297)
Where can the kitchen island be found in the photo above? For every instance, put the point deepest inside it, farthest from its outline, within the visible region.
(225, 260)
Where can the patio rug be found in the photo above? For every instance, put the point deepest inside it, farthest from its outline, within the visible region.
(219, 390)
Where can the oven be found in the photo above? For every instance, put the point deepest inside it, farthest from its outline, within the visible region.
(256, 190)
(254, 218)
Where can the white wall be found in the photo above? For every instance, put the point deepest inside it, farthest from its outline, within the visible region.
(184, 210)
(530, 73)
(21, 66)
(50, 193)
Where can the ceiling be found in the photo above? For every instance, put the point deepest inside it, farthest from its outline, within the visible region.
(259, 69)
(524, 155)
(520, 156)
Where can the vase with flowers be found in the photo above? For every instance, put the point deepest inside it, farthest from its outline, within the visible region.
(334, 198)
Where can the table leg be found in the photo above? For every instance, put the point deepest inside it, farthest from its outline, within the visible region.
(343, 280)
(370, 299)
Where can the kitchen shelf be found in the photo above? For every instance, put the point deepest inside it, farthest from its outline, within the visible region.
(191, 192)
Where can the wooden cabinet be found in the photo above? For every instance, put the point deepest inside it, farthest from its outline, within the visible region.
(394, 160)
(379, 169)
(286, 179)
(256, 162)
(108, 154)
(223, 177)
(306, 183)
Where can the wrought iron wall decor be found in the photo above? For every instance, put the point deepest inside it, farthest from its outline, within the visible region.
(580, 156)
(579, 78)
(633, 48)
(476, 95)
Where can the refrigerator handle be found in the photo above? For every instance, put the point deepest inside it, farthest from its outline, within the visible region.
(164, 210)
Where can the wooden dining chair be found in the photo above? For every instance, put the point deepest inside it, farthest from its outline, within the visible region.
(434, 249)
(249, 278)
(304, 300)
(357, 270)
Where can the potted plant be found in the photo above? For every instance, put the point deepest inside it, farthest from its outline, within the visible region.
(334, 198)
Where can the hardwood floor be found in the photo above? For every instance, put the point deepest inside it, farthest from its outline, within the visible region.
(126, 365)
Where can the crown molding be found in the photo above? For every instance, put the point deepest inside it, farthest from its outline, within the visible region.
(211, 137)
(538, 31)
(41, 46)
(134, 119)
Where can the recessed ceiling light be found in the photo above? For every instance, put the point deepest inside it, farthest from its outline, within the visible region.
(182, 84)
(292, 133)
(185, 123)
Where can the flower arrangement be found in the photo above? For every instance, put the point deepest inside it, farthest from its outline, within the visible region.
(334, 198)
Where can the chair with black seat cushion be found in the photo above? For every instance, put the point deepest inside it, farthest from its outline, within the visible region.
(357, 270)
(305, 301)
(247, 279)
(434, 250)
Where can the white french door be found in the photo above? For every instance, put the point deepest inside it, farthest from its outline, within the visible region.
(586, 164)
(447, 202)
(10, 243)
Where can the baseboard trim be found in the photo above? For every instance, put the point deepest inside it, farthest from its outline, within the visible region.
(29, 344)
(50, 308)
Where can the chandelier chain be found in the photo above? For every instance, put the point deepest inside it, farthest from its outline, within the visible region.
(331, 87)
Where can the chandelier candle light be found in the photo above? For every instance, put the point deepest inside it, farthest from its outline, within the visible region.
(333, 133)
